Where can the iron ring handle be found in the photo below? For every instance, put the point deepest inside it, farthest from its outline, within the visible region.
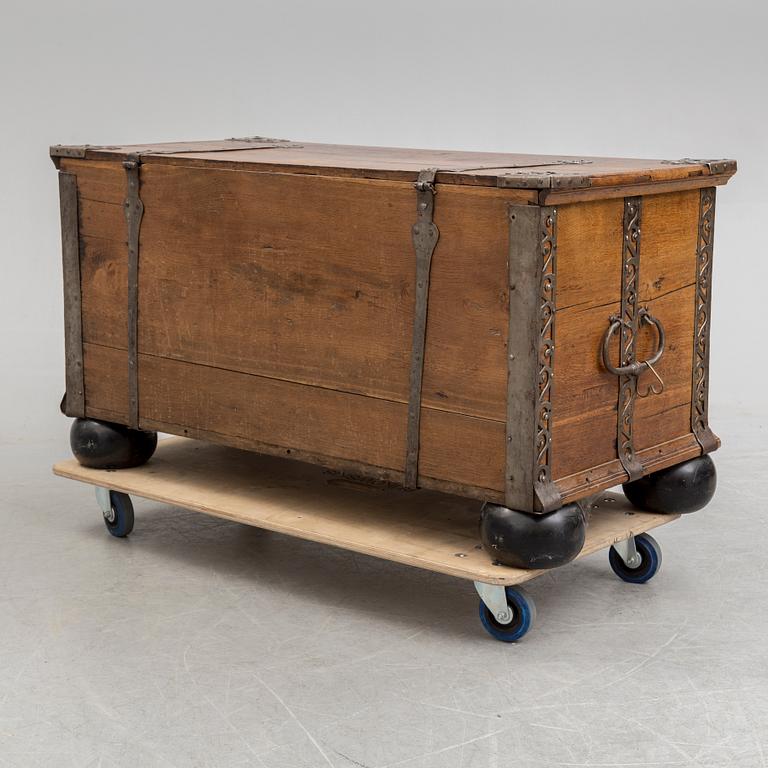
(633, 369)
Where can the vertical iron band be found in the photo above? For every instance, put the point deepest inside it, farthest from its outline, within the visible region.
(629, 318)
(530, 359)
(424, 234)
(703, 308)
(74, 399)
(547, 495)
(134, 210)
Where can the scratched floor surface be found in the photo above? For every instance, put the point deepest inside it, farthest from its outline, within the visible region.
(204, 643)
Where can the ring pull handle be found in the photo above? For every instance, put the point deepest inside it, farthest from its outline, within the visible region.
(637, 367)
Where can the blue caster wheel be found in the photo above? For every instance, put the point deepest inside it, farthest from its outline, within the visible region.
(521, 611)
(648, 561)
(119, 517)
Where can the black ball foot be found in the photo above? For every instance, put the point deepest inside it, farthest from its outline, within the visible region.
(683, 488)
(103, 445)
(524, 540)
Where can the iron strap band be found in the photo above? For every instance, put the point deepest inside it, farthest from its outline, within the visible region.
(530, 350)
(74, 397)
(134, 210)
(630, 283)
(424, 234)
(703, 308)
(547, 495)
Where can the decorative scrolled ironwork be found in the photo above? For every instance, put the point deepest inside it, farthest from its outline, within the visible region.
(700, 386)
(546, 350)
(629, 320)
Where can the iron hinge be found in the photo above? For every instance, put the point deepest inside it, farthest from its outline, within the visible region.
(258, 139)
(547, 180)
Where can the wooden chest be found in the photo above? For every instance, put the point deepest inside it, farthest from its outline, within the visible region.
(469, 322)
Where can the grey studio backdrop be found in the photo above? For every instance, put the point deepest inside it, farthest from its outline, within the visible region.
(656, 79)
(200, 643)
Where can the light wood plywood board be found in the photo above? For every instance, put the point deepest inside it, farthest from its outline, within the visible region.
(425, 529)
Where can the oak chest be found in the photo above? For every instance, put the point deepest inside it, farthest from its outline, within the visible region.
(521, 329)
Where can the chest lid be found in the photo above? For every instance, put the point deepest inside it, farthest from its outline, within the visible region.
(548, 173)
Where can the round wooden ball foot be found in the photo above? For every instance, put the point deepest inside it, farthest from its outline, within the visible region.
(684, 488)
(103, 445)
(525, 540)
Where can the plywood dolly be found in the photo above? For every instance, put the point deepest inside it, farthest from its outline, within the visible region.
(423, 529)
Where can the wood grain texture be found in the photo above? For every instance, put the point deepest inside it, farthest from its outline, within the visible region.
(589, 290)
(667, 288)
(631, 188)
(401, 164)
(584, 483)
(104, 254)
(298, 278)
(295, 419)
(276, 310)
(217, 258)
(422, 529)
(320, 271)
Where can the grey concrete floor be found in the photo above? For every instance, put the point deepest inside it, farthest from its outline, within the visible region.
(198, 642)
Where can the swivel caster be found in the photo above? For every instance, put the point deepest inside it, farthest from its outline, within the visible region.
(103, 445)
(683, 488)
(117, 509)
(506, 613)
(524, 540)
(636, 559)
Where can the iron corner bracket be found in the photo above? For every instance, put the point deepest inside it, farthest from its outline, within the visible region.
(532, 265)
(721, 166)
(76, 152)
(548, 497)
(715, 167)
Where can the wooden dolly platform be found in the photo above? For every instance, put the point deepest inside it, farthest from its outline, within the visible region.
(425, 529)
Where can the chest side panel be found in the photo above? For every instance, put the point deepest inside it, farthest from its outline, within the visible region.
(617, 259)
(584, 394)
(311, 279)
(275, 312)
(667, 288)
